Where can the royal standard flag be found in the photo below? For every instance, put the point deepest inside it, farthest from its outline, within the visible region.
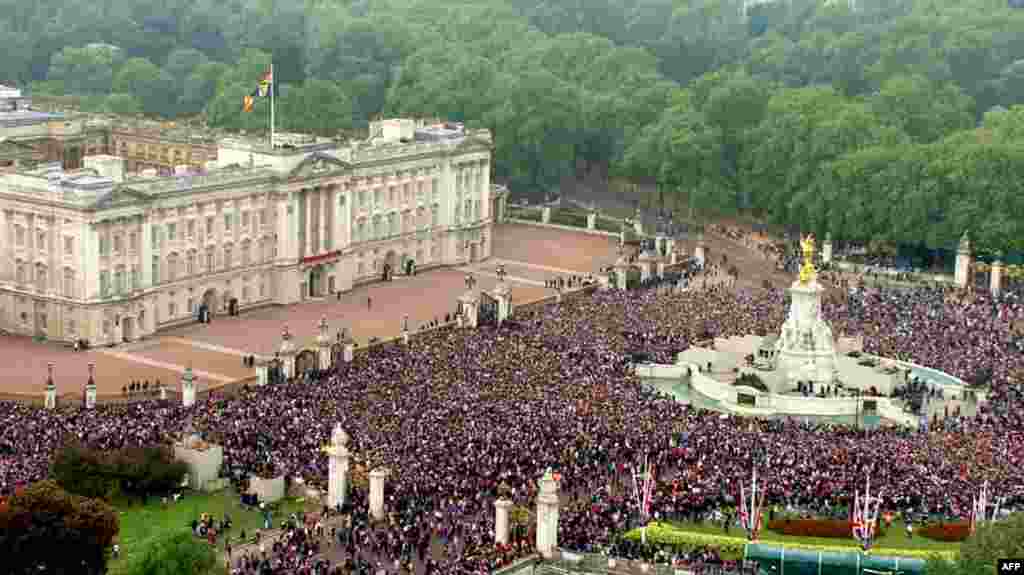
(266, 84)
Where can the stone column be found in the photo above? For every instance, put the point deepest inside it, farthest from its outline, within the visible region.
(646, 263)
(963, 262)
(826, 249)
(377, 477)
(262, 372)
(90, 388)
(995, 280)
(545, 215)
(323, 346)
(405, 329)
(307, 198)
(51, 388)
(547, 515)
(621, 273)
(287, 354)
(592, 221)
(348, 347)
(188, 388)
(698, 253)
(501, 508)
(337, 477)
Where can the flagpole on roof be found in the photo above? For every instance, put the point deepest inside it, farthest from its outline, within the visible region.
(272, 90)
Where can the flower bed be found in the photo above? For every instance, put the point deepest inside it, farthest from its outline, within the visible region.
(665, 534)
(952, 532)
(833, 528)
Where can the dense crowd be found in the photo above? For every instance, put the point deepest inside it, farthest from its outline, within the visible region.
(459, 414)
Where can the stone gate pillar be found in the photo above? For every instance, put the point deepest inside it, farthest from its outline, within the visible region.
(286, 354)
(995, 280)
(469, 303)
(337, 478)
(377, 477)
(323, 346)
(51, 388)
(547, 515)
(501, 508)
(699, 253)
(262, 371)
(621, 272)
(963, 262)
(188, 388)
(90, 388)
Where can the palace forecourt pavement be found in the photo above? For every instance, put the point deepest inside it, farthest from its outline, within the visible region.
(530, 255)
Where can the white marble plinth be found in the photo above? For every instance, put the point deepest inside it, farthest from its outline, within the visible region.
(90, 396)
(805, 351)
(51, 397)
(547, 516)
(501, 525)
(377, 477)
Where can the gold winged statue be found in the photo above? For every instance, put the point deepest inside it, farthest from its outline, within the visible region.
(807, 271)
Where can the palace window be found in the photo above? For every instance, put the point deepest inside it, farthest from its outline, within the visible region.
(191, 263)
(209, 226)
(41, 277)
(227, 257)
(172, 267)
(245, 253)
(104, 283)
(227, 223)
(69, 282)
(156, 270)
(245, 221)
(155, 232)
(133, 241)
(172, 230)
(119, 280)
(117, 243)
(19, 274)
(172, 309)
(19, 236)
(69, 246)
(191, 228)
(41, 241)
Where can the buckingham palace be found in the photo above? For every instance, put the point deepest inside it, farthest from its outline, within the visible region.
(98, 255)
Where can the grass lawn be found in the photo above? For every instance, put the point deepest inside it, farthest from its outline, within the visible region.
(894, 541)
(141, 524)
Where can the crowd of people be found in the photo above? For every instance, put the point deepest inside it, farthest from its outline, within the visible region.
(459, 414)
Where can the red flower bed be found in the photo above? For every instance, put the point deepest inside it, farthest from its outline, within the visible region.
(951, 532)
(837, 528)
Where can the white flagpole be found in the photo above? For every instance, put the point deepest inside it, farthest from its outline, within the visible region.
(272, 90)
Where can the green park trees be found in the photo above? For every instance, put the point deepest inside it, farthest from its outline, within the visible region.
(45, 529)
(729, 109)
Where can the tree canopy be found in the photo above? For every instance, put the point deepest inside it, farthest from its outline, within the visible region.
(759, 109)
(45, 529)
(978, 553)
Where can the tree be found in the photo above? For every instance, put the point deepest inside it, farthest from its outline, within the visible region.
(154, 88)
(123, 104)
(924, 111)
(88, 70)
(179, 553)
(45, 529)
(137, 470)
(979, 552)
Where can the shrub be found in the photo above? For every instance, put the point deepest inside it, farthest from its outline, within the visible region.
(569, 218)
(952, 532)
(136, 470)
(179, 553)
(838, 528)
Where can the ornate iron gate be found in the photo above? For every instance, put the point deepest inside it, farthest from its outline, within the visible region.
(488, 310)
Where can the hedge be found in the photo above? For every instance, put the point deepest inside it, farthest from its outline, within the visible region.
(951, 532)
(662, 534)
(569, 218)
(837, 528)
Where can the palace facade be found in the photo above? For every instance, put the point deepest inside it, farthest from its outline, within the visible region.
(96, 255)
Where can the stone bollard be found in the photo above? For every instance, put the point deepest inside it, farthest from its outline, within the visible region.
(377, 477)
(501, 530)
(337, 471)
(547, 515)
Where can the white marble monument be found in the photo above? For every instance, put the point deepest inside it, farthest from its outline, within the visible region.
(188, 388)
(647, 263)
(338, 464)
(323, 346)
(501, 529)
(547, 515)
(377, 477)
(90, 388)
(805, 350)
